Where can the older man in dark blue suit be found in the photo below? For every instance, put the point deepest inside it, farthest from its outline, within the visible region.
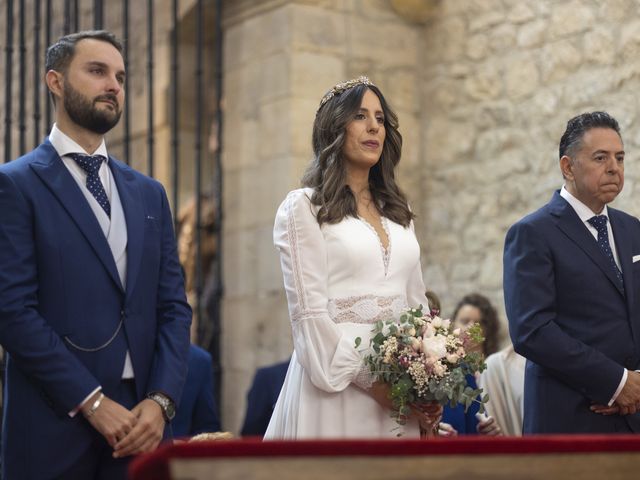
(93, 313)
(572, 292)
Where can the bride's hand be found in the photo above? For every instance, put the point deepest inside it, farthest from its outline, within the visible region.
(428, 414)
(381, 392)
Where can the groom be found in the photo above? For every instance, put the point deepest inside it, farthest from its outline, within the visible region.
(93, 313)
(572, 292)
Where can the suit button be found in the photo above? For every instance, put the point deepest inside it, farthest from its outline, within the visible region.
(122, 314)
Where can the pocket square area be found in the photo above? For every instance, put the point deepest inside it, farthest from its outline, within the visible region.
(635, 258)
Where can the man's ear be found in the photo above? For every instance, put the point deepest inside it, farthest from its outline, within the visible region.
(55, 82)
(566, 167)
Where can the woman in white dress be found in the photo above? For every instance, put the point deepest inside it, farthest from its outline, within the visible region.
(349, 257)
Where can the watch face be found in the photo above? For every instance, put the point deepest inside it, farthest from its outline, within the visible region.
(170, 410)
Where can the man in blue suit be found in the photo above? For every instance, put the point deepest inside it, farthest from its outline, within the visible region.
(198, 412)
(572, 292)
(262, 398)
(93, 313)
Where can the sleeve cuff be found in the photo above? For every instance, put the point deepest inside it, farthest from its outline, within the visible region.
(364, 378)
(75, 411)
(620, 387)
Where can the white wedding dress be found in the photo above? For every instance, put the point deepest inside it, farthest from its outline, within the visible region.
(339, 281)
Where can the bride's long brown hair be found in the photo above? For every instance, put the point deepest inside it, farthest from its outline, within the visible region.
(327, 173)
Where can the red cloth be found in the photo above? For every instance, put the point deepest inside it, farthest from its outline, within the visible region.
(155, 465)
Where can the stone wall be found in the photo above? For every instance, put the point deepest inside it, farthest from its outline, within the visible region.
(499, 79)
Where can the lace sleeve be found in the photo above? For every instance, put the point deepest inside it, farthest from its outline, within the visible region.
(330, 359)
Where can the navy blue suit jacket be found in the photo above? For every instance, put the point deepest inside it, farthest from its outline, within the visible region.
(197, 412)
(570, 319)
(262, 398)
(61, 301)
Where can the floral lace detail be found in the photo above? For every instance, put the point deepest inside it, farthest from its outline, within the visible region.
(366, 308)
(364, 379)
(386, 252)
(292, 234)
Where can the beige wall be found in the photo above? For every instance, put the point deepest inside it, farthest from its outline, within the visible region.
(499, 80)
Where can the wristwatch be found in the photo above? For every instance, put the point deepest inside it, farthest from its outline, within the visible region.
(167, 405)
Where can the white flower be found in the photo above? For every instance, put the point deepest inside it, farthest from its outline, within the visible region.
(456, 332)
(434, 346)
(428, 331)
(446, 323)
(415, 344)
(452, 358)
(436, 322)
(439, 369)
(411, 331)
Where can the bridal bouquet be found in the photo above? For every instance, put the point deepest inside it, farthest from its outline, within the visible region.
(424, 361)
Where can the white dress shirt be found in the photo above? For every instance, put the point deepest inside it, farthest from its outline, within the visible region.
(585, 213)
(114, 228)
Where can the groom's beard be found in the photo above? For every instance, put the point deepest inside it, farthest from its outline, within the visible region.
(83, 111)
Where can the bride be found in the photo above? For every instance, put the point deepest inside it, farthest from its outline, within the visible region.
(349, 258)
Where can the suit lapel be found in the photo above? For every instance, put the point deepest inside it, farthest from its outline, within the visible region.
(568, 221)
(623, 247)
(132, 205)
(51, 170)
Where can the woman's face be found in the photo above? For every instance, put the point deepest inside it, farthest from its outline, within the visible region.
(365, 134)
(467, 314)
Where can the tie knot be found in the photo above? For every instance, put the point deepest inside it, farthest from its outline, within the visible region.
(599, 222)
(89, 163)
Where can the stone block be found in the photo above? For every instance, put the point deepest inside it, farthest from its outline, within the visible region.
(630, 41)
(493, 114)
(450, 141)
(445, 40)
(486, 84)
(617, 11)
(302, 118)
(313, 74)
(274, 132)
(559, 60)
(587, 88)
(245, 41)
(487, 20)
(568, 18)
(478, 46)
(502, 37)
(393, 44)
(268, 272)
(317, 29)
(411, 134)
(467, 270)
(498, 140)
(599, 47)
(520, 13)
(522, 76)
(239, 263)
(532, 34)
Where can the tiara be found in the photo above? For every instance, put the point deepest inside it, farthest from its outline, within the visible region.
(341, 87)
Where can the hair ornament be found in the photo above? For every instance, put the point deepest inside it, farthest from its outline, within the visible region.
(343, 86)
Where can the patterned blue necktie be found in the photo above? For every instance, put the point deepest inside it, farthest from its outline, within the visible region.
(599, 222)
(91, 165)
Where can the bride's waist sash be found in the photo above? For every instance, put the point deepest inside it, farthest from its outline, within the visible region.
(366, 308)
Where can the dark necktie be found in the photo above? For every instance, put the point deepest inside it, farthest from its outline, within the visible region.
(91, 165)
(599, 222)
